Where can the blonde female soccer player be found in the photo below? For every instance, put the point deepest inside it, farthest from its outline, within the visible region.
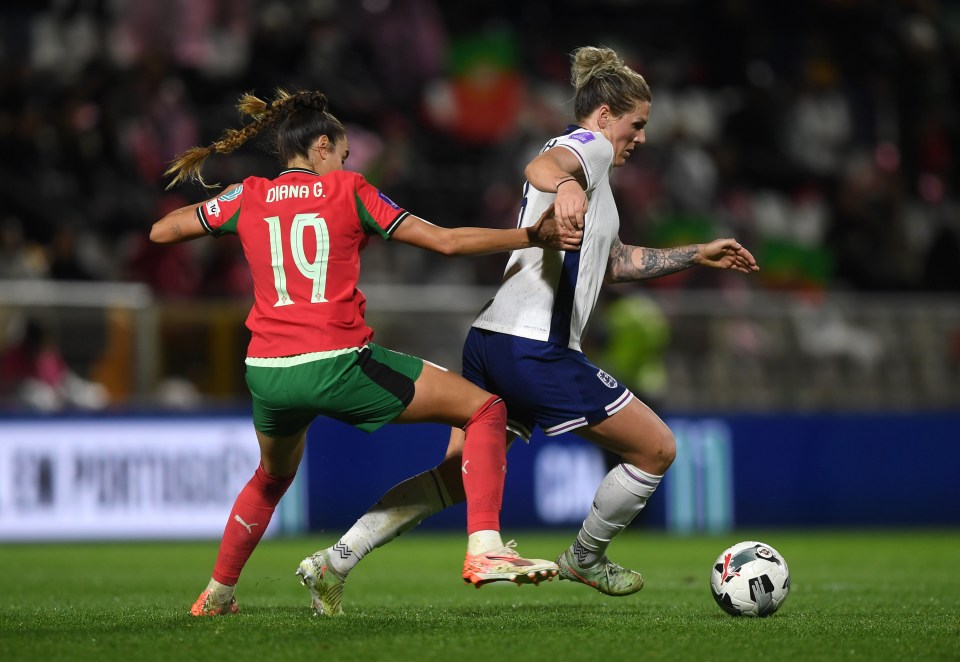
(525, 343)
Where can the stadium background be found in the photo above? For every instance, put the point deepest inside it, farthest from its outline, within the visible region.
(821, 134)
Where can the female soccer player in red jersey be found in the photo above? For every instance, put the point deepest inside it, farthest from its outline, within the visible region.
(310, 352)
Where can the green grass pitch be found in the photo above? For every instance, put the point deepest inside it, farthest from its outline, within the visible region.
(876, 595)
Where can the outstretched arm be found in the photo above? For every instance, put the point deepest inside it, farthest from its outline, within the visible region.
(182, 224)
(546, 233)
(632, 263)
(177, 226)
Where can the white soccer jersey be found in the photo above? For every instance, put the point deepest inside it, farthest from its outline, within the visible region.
(547, 294)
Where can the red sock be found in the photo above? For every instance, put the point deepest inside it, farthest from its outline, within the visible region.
(485, 465)
(248, 521)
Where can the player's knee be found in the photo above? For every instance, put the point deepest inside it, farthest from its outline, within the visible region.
(668, 449)
(663, 451)
(654, 451)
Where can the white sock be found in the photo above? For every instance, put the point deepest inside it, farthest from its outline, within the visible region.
(403, 507)
(622, 494)
(483, 541)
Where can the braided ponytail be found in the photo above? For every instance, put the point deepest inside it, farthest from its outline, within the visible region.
(298, 119)
(187, 166)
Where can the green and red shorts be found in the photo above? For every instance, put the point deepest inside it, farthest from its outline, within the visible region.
(366, 387)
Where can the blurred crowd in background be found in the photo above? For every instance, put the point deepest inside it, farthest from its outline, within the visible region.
(822, 134)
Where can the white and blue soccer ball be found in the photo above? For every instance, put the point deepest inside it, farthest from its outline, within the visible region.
(750, 578)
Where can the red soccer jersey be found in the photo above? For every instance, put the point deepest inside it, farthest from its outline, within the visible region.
(302, 234)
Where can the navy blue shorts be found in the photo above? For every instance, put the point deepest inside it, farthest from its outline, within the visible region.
(541, 383)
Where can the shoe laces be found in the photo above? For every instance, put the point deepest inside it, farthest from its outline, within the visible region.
(507, 550)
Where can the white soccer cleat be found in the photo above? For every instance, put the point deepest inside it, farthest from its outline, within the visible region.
(326, 586)
(605, 576)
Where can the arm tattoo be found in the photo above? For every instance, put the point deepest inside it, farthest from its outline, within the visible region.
(652, 262)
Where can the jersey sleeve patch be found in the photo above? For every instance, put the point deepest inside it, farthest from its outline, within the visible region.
(583, 137)
(388, 200)
(212, 208)
(231, 195)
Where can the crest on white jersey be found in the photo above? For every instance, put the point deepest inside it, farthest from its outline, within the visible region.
(607, 380)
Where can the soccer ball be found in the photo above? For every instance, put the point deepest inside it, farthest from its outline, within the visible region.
(750, 579)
